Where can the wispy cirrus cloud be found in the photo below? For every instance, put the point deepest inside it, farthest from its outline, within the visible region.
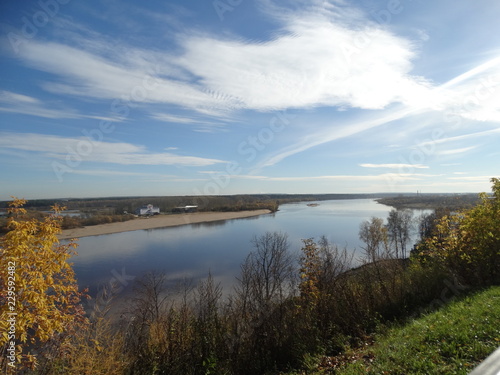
(149, 177)
(173, 118)
(463, 137)
(334, 133)
(12, 102)
(394, 166)
(456, 151)
(57, 147)
(141, 76)
(482, 179)
(341, 58)
(198, 124)
(329, 67)
(454, 102)
(217, 74)
(376, 177)
(112, 173)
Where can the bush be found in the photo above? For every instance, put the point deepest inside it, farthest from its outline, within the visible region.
(468, 243)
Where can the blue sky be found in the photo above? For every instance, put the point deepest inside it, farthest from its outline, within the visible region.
(120, 98)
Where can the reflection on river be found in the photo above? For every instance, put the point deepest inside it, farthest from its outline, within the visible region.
(191, 251)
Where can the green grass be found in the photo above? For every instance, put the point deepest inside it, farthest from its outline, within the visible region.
(452, 340)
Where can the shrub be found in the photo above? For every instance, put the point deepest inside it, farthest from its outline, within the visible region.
(468, 243)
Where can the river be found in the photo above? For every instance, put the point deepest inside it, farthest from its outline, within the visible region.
(191, 251)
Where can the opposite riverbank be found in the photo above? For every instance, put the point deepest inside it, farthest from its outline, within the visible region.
(160, 221)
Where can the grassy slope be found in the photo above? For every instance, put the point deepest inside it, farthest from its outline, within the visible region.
(451, 340)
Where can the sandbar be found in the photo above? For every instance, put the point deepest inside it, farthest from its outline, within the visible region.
(159, 221)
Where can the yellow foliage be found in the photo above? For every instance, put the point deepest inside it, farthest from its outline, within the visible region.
(309, 272)
(37, 283)
(468, 243)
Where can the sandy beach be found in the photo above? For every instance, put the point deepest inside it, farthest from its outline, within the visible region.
(159, 221)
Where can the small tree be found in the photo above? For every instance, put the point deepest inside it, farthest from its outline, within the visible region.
(265, 283)
(374, 234)
(267, 272)
(37, 283)
(310, 273)
(399, 227)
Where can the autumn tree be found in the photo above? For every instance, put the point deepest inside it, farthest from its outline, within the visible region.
(468, 243)
(374, 234)
(37, 284)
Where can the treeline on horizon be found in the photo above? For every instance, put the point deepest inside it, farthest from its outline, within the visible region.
(95, 211)
(117, 205)
(432, 201)
(286, 310)
(167, 203)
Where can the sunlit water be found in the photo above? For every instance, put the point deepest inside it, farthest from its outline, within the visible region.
(191, 251)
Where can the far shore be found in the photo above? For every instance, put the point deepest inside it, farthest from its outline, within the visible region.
(159, 221)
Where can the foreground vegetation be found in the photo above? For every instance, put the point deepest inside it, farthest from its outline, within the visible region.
(285, 313)
(451, 340)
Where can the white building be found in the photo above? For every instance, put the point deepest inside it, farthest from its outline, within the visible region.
(185, 209)
(147, 210)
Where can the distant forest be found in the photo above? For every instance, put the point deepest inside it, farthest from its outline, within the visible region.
(452, 202)
(119, 205)
(167, 203)
(94, 211)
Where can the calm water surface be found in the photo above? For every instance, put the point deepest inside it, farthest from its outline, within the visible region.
(191, 251)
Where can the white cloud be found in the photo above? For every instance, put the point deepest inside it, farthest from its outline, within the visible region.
(199, 125)
(323, 56)
(473, 95)
(455, 103)
(138, 76)
(101, 152)
(17, 103)
(485, 133)
(318, 59)
(394, 166)
(101, 173)
(456, 151)
(13, 98)
(172, 118)
(384, 177)
(472, 178)
(335, 133)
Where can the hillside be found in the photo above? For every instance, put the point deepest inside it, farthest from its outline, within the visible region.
(451, 340)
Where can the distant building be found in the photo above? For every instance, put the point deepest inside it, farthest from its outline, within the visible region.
(185, 209)
(147, 210)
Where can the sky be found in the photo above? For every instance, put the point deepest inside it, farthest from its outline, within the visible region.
(104, 98)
